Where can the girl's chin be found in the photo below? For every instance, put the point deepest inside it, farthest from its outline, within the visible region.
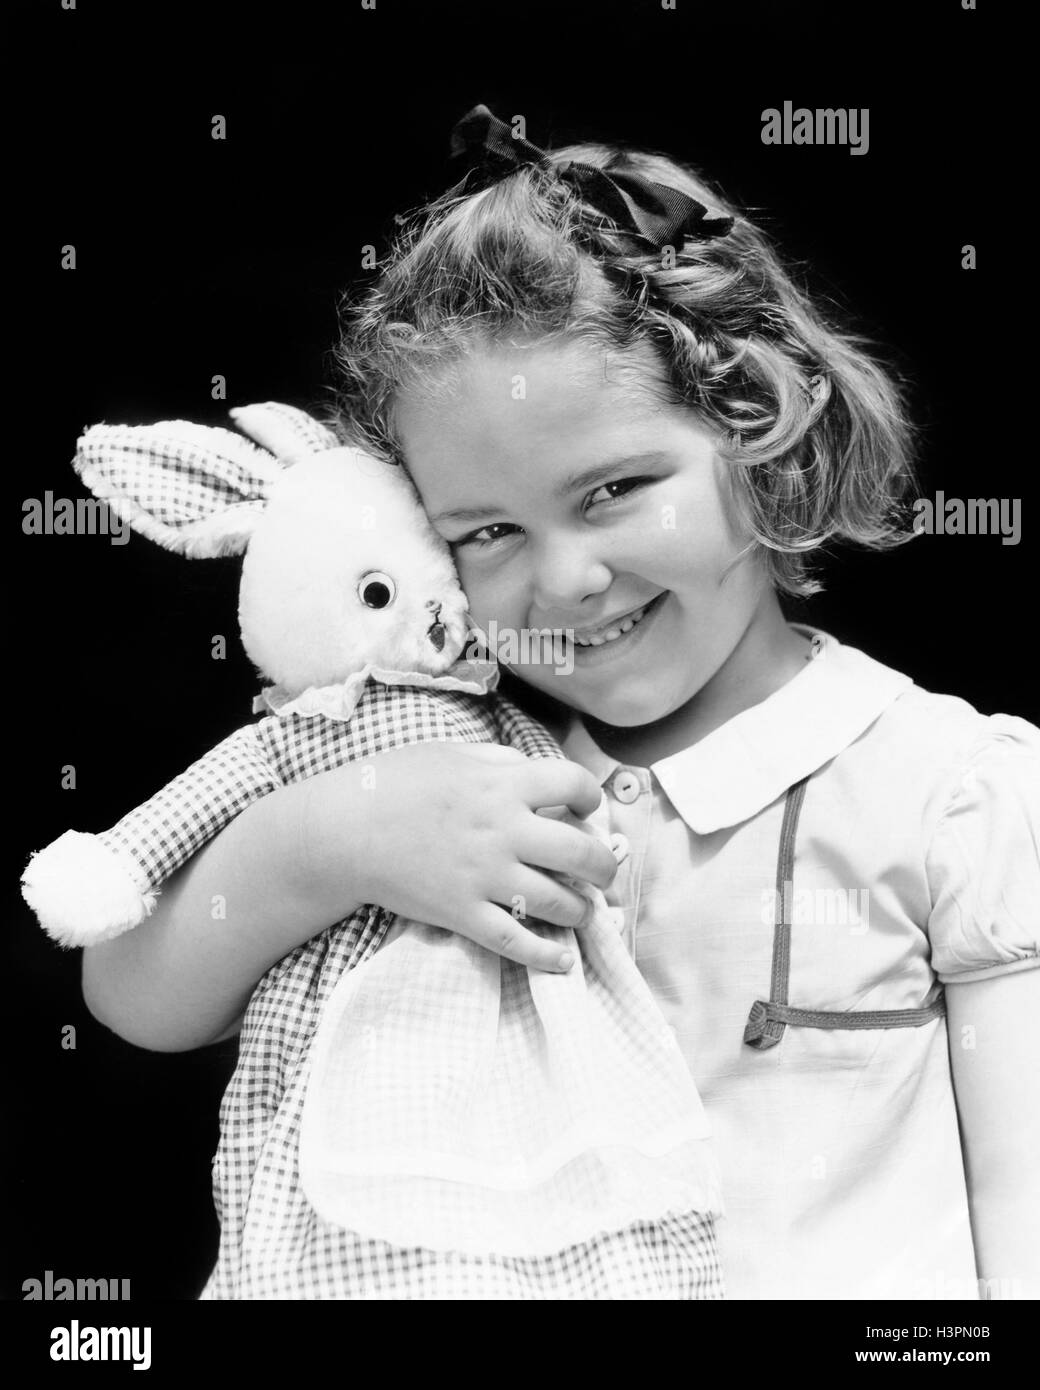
(629, 711)
(626, 714)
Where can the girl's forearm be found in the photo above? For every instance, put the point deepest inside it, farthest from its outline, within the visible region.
(1006, 1227)
(265, 885)
(994, 1031)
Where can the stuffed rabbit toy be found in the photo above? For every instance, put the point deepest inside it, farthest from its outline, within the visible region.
(350, 605)
(343, 580)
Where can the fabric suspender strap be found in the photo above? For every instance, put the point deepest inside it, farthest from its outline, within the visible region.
(764, 1029)
(768, 1019)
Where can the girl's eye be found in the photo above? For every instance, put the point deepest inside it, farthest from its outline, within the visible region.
(616, 491)
(487, 535)
(502, 530)
(376, 589)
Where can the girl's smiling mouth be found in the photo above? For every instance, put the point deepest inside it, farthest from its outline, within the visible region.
(621, 633)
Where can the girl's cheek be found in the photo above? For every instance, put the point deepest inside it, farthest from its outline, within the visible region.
(505, 607)
(489, 598)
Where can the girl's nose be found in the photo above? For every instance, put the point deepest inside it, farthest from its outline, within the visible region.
(564, 572)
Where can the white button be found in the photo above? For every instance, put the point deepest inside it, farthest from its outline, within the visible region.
(626, 786)
(620, 847)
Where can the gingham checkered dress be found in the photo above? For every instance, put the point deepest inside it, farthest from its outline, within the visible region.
(273, 1244)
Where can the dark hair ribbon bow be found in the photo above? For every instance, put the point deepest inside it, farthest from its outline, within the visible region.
(661, 215)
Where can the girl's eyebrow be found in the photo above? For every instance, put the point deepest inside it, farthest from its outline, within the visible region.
(577, 482)
(599, 472)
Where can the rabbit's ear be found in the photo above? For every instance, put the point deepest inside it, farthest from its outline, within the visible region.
(190, 488)
(283, 430)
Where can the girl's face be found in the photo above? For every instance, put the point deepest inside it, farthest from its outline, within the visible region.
(576, 500)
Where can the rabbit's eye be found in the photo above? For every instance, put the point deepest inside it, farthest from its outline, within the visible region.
(376, 590)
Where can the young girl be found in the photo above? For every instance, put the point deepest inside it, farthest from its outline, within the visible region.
(634, 430)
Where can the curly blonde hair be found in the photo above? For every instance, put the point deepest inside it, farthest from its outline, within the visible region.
(815, 429)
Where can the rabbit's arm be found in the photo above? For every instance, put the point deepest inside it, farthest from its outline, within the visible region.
(89, 888)
(183, 979)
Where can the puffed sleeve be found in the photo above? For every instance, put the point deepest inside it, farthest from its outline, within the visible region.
(983, 862)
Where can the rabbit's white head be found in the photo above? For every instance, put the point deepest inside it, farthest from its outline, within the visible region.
(342, 568)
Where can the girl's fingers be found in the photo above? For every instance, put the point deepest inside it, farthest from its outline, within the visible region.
(557, 782)
(494, 929)
(566, 849)
(539, 896)
(544, 782)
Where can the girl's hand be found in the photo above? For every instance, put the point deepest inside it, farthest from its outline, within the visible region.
(449, 833)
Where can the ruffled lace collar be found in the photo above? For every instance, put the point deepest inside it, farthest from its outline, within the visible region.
(340, 701)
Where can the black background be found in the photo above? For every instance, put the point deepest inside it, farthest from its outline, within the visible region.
(198, 257)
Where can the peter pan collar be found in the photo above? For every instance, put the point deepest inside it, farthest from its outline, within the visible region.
(751, 760)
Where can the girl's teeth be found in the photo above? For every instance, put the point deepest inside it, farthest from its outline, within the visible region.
(612, 633)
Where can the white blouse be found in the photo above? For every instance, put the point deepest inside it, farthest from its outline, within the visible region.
(915, 863)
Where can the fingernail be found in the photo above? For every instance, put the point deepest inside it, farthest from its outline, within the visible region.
(566, 960)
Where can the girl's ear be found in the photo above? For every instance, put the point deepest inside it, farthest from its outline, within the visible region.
(190, 488)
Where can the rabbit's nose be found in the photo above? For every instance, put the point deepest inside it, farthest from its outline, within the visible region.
(436, 631)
